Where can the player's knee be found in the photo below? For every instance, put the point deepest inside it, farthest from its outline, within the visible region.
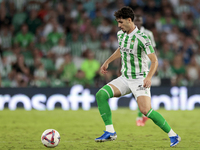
(100, 95)
(144, 111)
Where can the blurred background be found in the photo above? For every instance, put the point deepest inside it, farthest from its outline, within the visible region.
(61, 43)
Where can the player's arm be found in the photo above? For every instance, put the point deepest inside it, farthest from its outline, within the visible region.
(114, 56)
(153, 68)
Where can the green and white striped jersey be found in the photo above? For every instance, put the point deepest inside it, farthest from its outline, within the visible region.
(134, 48)
(149, 35)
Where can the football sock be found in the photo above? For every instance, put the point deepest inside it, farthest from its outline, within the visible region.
(139, 113)
(102, 97)
(110, 128)
(158, 119)
(171, 133)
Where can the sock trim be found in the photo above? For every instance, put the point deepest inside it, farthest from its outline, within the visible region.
(111, 88)
(106, 92)
(149, 112)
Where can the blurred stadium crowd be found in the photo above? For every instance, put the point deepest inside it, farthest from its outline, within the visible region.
(59, 43)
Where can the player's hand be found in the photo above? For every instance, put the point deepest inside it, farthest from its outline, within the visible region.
(104, 68)
(147, 82)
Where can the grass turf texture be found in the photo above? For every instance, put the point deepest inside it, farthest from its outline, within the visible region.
(22, 129)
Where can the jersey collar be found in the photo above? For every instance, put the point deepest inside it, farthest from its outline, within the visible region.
(133, 32)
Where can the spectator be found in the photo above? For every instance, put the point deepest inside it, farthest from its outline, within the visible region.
(60, 50)
(90, 66)
(79, 78)
(77, 47)
(21, 71)
(24, 38)
(5, 20)
(192, 70)
(19, 19)
(68, 69)
(93, 42)
(61, 14)
(43, 46)
(5, 38)
(54, 37)
(151, 7)
(179, 69)
(5, 67)
(104, 29)
(102, 53)
(165, 72)
(33, 22)
(167, 53)
(40, 73)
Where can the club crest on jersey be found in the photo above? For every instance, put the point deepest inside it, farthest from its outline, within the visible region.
(132, 42)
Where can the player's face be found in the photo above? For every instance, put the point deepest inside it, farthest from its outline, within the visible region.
(124, 24)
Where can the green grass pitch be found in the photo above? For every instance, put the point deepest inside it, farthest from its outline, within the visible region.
(22, 129)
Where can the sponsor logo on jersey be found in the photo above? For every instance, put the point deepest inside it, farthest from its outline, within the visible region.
(126, 49)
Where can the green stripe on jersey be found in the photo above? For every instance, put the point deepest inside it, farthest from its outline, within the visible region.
(126, 41)
(121, 38)
(125, 65)
(151, 49)
(122, 64)
(139, 54)
(132, 66)
(144, 74)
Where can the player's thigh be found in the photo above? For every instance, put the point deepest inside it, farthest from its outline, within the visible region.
(119, 87)
(142, 94)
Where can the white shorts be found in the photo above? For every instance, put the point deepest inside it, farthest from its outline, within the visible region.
(127, 86)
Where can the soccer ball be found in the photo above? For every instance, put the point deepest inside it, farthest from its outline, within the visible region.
(50, 138)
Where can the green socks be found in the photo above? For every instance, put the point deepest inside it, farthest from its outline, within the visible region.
(158, 120)
(106, 92)
(102, 97)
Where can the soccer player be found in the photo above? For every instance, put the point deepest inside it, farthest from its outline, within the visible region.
(134, 48)
(138, 21)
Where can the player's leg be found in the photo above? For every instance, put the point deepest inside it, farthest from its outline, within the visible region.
(115, 88)
(139, 119)
(143, 97)
(102, 96)
(144, 103)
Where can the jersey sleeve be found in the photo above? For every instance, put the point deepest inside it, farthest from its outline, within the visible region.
(120, 35)
(145, 43)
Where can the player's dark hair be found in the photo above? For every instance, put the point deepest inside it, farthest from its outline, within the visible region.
(124, 13)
